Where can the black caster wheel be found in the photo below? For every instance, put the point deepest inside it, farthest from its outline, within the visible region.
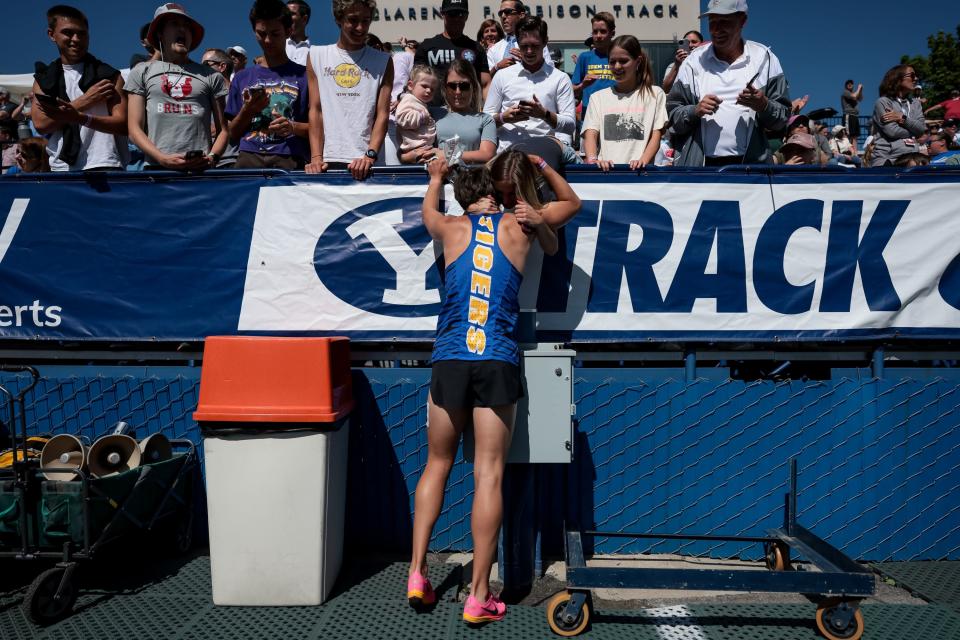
(555, 618)
(839, 619)
(41, 603)
(776, 556)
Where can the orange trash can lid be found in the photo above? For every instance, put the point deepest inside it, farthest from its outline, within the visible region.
(270, 379)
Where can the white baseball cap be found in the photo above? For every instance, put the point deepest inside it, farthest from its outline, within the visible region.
(725, 7)
(238, 49)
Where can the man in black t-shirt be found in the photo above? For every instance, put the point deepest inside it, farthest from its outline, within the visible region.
(439, 51)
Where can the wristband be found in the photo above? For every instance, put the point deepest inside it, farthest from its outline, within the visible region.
(87, 120)
(592, 158)
(542, 164)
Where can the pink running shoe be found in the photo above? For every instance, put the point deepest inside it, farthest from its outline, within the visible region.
(419, 591)
(490, 611)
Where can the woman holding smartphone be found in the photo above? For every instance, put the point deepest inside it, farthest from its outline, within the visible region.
(624, 123)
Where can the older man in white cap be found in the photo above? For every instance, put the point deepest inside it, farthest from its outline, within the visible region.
(727, 94)
(176, 99)
(239, 57)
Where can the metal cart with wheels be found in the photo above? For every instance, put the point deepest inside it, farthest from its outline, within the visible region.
(71, 521)
(837, 586)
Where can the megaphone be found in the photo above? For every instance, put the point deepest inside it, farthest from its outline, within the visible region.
(155, 448)
(113, 454)
(62, 452)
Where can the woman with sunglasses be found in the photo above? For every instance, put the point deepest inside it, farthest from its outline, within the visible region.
(897, 117)
(462, 117)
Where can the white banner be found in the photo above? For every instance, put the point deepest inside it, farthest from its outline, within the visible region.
(717, 259)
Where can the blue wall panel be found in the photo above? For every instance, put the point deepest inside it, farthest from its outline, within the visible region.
(879, 460)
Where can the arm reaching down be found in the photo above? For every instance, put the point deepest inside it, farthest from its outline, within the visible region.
(534, 224)
(560, 211)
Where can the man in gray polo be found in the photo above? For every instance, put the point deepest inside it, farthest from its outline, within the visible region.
(727, 94)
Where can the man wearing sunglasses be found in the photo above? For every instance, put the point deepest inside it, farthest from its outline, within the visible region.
(506, 53)
(439, 51)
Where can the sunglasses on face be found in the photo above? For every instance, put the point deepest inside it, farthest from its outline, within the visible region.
(507, 12)
(910, 75)
(462, 86)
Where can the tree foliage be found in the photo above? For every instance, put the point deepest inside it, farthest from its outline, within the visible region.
(940, 71)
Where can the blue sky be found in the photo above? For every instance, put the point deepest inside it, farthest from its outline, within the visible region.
(819, 42)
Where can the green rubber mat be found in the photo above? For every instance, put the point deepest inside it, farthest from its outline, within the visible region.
(173, 602)
(388, 582)
(936, 581)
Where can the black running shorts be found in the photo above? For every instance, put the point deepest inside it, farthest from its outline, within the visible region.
(483, 383)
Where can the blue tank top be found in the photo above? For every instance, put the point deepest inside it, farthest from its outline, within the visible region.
(478, 318)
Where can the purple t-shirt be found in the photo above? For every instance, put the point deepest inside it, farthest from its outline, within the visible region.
(287, 87)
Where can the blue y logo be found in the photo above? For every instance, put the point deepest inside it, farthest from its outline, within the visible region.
(379, 258)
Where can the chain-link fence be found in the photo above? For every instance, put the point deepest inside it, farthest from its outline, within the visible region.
(879, 459)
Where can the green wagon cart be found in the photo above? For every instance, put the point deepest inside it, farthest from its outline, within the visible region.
(71, 521)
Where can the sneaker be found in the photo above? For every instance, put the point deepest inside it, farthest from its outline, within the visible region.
(490, 611)
(419, 591)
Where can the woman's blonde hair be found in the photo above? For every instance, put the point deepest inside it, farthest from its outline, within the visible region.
(515, 167)
(463, 68)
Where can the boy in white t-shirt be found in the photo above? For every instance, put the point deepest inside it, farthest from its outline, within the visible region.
(350, 86)
(83, 106)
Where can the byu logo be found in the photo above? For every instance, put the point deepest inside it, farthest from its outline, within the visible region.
(12, 223)
(397, 278)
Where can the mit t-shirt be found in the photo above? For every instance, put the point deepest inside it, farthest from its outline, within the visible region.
(439, 51)
(625, 121)
(287, 87)
(592, 63)
(179, 102)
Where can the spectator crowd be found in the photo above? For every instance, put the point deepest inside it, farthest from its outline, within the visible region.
(355, 104)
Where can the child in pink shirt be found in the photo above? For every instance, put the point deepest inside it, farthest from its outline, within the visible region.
(415, 127)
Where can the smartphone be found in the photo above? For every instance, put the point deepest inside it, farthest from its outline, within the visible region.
(193, 155)
(255, 92)
(685, 45)
(47, 101)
